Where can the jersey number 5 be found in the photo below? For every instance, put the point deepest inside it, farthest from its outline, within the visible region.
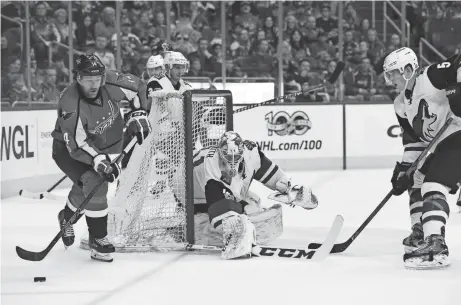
(443, 65)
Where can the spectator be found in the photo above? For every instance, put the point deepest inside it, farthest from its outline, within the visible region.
(103, 53)
(43, 31)
(326, 22)
(203, 54)
(242, 45)
(183, 44)
(135, 43)
(142, 27)
(322, 44)
(263, 59)
(363, 30)
(18, 90)
(129, 56)
(363, 52)
(62, 72)
(331, 89)
(308, 97)
(350, 45)
(85, 32)
(298, 45)
(291, 25)
(376, 48)
(350, 14)
(311, 32)
(106, 27)
(271, 31)
(361, 82)
(62, 25)
(245, 17)
(48, 91)
(160, 26)
(395, 42)
(195, 68)
(144, 54)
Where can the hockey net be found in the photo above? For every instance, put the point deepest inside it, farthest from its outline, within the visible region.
(153, 206)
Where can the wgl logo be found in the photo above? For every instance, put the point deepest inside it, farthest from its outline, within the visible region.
(15, 139)
(284, 124)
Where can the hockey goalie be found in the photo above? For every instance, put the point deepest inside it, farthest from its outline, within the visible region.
(222, 178)
(428, 98)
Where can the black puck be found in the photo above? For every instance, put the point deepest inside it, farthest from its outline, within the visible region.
(39, 279)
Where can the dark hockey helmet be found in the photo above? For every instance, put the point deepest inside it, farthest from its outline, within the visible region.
(89, 65)
(162, 47)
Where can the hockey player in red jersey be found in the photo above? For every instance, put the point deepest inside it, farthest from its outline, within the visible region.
(222, 177)
(428, 97)
(88, 129)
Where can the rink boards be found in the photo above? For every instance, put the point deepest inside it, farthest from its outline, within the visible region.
(295, 136)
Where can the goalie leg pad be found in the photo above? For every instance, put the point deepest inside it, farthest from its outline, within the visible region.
(268, 224)
(238, 235)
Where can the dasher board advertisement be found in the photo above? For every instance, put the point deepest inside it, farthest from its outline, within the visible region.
(294, 132)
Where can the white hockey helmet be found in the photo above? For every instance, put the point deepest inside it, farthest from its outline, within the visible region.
(398, 60)
(153, 63)
(230, 149)
(176, 58)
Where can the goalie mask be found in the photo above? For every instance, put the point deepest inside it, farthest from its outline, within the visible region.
(230, 150)
(155, 67)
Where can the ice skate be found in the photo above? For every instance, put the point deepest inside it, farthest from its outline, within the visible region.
(458, 203)
(101, 249)
(431, 254)
(68, 237)
(415, 239)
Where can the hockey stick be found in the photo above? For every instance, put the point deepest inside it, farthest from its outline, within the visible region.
(334, 76)
(341, 247)
(315, 255)
(47, 194)
(38, 256)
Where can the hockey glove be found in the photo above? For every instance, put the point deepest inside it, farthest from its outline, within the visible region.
(454, 98)
(102, 165)
(138, 125)
(400, 181)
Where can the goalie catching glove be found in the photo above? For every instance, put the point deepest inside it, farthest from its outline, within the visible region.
(138, 125)
(102, 165)
(294, 195)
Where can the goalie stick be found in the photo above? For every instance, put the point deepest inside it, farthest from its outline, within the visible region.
(47, 194)
(38, 256)
(341, 247)
(333, 78)
(316, 255)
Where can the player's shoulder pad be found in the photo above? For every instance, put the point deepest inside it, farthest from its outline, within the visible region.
(69, 94)
(443, 74)
(126, 81)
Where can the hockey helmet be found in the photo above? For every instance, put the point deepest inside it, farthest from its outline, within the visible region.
(176, 58)
(155, 61)
(162, 46)
(399, 60)
(90, 65)
(230, 149)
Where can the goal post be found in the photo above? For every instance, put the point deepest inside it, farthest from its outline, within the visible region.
(153, 206)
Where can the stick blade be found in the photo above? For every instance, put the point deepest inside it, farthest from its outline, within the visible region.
(334, 76)
(329, 243)
(28, 255)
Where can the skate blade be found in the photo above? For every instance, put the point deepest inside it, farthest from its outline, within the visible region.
(103, 257)
(417, 263)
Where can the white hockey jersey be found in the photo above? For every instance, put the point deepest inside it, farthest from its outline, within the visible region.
(165, 113)
(164, 85)
(209, 167)
(423, 110)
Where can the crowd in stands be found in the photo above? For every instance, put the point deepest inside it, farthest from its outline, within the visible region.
(309, 50)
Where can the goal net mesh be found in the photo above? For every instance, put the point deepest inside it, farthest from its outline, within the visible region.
(148, 211)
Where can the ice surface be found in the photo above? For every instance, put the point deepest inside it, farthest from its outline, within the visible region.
(370, 272)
